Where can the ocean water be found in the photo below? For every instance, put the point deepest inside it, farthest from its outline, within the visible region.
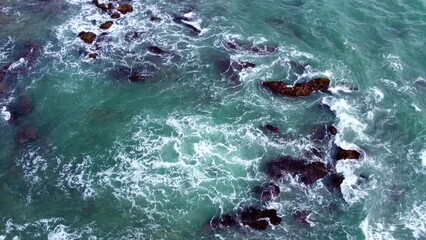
(115, 159)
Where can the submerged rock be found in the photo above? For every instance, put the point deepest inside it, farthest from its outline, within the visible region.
(154, 19)
(332, 130)
(26, 135)
(87, 37)
(125, 8)
(187, 22)
(333, 182)
(101, 6)
(222, 222)
(256, 218)
(347, 154)
(21, 108)
(301, 217)
(308, 173)
(136, 77)
(272, 129)
(299, 89)
(157, 50)
(93, 55)
(106, 25)
(267, 192)
(247, 47)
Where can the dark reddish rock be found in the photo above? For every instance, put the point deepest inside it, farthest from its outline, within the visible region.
(106, 25)
(125, 8)
(26, 135)
(157, 50)
(93, 55)
(255, 218)
(272, 129)
(154, 19)
(87, 37)
(299, 89)
(137, 78)
(222, 222)
(111, 6)
(301, 217)
(347, 154)
(308, 173)
(101, 6)
(115, 15)
(332, 130)
(267, 192)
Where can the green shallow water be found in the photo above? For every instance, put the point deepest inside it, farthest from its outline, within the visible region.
(159, 159)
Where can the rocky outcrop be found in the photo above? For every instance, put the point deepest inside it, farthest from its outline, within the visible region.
(308, 173)
(223, 222)
(115, 15)
(87, 37)
(299, 89)
(186, 22)
(106, 25)
(347, 154)
(101, 6)
(157, 50)
(251, 48)
(125, 8)
(93, 55)
(272, 129)
(257, 218)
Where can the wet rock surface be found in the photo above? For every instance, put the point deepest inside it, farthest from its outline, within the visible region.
(308, 173)
(267, 192)
(106, 25)
(125, 8)
(259, 219)
(87, 37)
(26, 135)
(347, 154)
(299, 89)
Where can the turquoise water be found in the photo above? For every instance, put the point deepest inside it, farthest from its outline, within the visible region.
(116, 159)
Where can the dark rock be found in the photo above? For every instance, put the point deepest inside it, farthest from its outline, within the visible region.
(26, 135)
(308, 173)
(333, 182)
(157, 50)
(301, 217)
(257, 218)
(137, 77)
(184, 21)
(272, 129)
(133, 36)
(299, 89)
(154, 19)
(125, 8)
(111, 6)
(106, 25)
(93, 55)
(87, 37)
(222, 222)
(267, 192)
(256, 49)
(332, 130)
(115, 15)
(347, 154)
(101, 6)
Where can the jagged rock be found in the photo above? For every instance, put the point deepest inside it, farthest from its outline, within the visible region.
(87, 37)
(115, 15)
(101, 6)
(301, 217)
(332, 130)
(154, 19)
(299, 89)
(222, 222)
(93, 55)
(333, 182)
(272, 129)
(267, 192)
(26, 135)
(157, 50)
(347, 154)
(308, 173)
(256, 218)
(125, 8)
(106, 25)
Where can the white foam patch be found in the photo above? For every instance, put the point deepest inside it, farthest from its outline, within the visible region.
(17, 64)
(423, 157)
(394, 62)
(376, 230)
(351, 190)
(4, 113)
(78, 176)
(415, 220)
(416, 108)
(340, 88)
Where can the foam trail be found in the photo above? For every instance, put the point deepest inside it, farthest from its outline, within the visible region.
(415, 220)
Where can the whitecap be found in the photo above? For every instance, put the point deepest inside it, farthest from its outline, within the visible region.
(4, 113)
(415, 220)
(376, 230)
(394, 62)
(351, 190)
(423, 157)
